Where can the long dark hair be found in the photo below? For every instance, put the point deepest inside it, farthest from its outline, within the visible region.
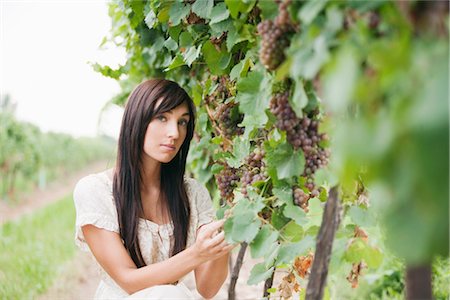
(139, 111)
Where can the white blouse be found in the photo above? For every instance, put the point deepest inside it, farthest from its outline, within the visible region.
(95, 205)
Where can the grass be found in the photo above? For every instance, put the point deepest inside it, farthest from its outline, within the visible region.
(34, 249)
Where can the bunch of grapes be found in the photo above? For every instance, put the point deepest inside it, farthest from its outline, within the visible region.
(300, 197)
(254, 170)
(275, 38)
(301, 133)
(227, 180)
(228, 118)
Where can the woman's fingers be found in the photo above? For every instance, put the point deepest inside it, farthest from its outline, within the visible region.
(217, 239)
(210, 228)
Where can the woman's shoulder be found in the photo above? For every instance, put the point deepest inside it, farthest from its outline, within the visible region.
(92, 185)
(193, 185)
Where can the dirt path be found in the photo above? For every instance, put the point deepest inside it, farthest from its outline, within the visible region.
(54, 191)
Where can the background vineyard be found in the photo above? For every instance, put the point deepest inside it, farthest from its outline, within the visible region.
(295, 97)
(31, 159)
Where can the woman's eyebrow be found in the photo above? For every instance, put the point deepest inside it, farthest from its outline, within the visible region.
(185, 114)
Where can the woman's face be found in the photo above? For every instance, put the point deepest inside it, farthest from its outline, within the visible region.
(166, 133)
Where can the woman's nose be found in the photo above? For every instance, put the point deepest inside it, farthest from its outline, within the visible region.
(172, 130)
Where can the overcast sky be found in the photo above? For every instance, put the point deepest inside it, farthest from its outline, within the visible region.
(45, 50)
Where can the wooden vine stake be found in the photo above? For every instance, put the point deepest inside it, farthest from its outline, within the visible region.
(235, 273)
(330, 223)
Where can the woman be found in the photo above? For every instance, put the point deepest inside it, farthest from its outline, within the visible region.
(145, 223)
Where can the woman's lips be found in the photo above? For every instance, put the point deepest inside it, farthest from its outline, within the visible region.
(168, 147)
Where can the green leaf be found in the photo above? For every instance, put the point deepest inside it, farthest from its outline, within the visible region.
(253, 97)
(315, 213)
(360, 250)
(284, 162)
(310, 10)
(245, 227)
(185, 40)
(171, 44)
(178, 11)
(216, 168)
(259, 273)
(269, 9)
(138, 13)
(236, 7)
(340, 78)
(295, 213)
(289, 252)
(241, 149)
(176, 62)
(163, 12)
(361, 217)
(219, 13)
(191, 55)
(245, 33)
(299, 99)
(203, 8)
(151, 19)
(293, 232)
(214, 58)
(262, 242)
(278, 219)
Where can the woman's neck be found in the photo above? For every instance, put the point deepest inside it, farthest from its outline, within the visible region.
(151, 175)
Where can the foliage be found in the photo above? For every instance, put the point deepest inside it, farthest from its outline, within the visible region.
(383, 78)
(33, 249)
(31, 157)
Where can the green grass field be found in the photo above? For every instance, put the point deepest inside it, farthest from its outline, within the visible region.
(34, 249)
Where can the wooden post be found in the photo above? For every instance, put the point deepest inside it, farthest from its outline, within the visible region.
(330, 223)
(235, 273)
(268, 284)
(418, 282)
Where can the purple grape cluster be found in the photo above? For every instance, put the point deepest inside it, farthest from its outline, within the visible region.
(228, 118)
(227, 180)
(301, 133)
(275, 38)
(254, 170)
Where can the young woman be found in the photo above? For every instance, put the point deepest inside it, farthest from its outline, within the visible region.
(146, 224)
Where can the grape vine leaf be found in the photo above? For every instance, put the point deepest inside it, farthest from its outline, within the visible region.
(215, 59)
(151, 19)
(245, 227)
(191, 54)
(360, 250)
(178, 11)
(253, 97)
(293, 232)
(269, 9)
(241, 149)
(299, 99)
(290, 251)
(235, 7)
(259, 273)
(219, 13)
(203, 8)
(262, 242)
(284, 162)
(310, 10)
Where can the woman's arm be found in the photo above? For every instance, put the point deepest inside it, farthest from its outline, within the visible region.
(210, 276)
(109, 251)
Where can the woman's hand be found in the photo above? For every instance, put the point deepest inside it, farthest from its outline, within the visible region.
(210, 243)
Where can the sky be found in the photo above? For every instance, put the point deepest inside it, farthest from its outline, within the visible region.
(45, 47)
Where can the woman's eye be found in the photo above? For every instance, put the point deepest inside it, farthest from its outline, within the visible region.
(183, 122)
(161, 118)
